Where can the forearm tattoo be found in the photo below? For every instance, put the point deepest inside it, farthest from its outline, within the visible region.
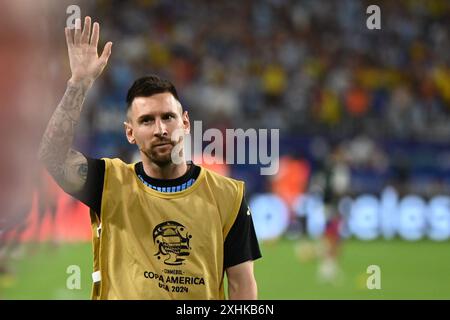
(83, 170)
(56, 143)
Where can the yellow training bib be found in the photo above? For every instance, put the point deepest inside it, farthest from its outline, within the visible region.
(154, 245)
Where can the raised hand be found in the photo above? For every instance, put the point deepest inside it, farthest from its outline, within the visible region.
(68, 166)
(85, 63)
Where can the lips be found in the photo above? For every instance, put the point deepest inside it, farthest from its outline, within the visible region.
(162, 144)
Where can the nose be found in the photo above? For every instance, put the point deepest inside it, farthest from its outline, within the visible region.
(161, 129)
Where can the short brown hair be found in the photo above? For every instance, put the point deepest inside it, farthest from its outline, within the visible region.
(148, 86)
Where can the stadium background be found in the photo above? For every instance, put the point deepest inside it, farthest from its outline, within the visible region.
(363, 115)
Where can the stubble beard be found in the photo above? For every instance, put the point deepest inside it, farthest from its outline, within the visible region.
(161, 160)
(164, 160)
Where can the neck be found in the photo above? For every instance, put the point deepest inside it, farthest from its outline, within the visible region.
(169, 171)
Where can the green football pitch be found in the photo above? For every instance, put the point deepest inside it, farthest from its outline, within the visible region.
(408, 270)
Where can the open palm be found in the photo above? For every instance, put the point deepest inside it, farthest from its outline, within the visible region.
(85, 63)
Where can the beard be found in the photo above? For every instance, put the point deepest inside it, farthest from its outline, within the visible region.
(161, 159)
(162, 156)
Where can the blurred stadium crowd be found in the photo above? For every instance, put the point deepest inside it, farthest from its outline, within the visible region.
(378, 98)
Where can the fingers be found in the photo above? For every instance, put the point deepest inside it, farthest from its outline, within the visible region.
(86, 31)
(106, 52)
(69, 38)
(77, 36)
(95, 35)
(83, 36)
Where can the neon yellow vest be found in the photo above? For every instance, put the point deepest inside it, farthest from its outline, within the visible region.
(154, 245)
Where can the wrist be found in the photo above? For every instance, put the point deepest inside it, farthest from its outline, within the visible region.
(87, 83)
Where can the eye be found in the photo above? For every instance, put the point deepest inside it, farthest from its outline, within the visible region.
(169, 117)
(146, 120)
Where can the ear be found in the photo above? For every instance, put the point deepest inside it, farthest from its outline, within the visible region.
(129, 133)
(186, 122)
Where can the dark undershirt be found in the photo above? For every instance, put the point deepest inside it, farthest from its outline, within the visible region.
(240, 244)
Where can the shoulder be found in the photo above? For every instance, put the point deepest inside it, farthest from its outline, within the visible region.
(118, 167)
(220, 181)
(229, 190)
(116, 162)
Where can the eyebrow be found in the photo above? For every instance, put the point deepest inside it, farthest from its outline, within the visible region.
(151, 116)
(169, 113)
(144, 116)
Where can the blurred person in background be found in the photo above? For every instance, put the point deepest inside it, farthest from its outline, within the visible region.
(25, 80)
(336, 185)
(47, 192)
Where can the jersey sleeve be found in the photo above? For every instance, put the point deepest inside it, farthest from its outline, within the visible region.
(91, 194)
(241, 244)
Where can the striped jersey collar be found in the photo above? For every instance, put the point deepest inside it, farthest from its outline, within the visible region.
(169, 185)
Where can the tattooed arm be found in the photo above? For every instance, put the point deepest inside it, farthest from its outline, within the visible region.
(67, 166)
